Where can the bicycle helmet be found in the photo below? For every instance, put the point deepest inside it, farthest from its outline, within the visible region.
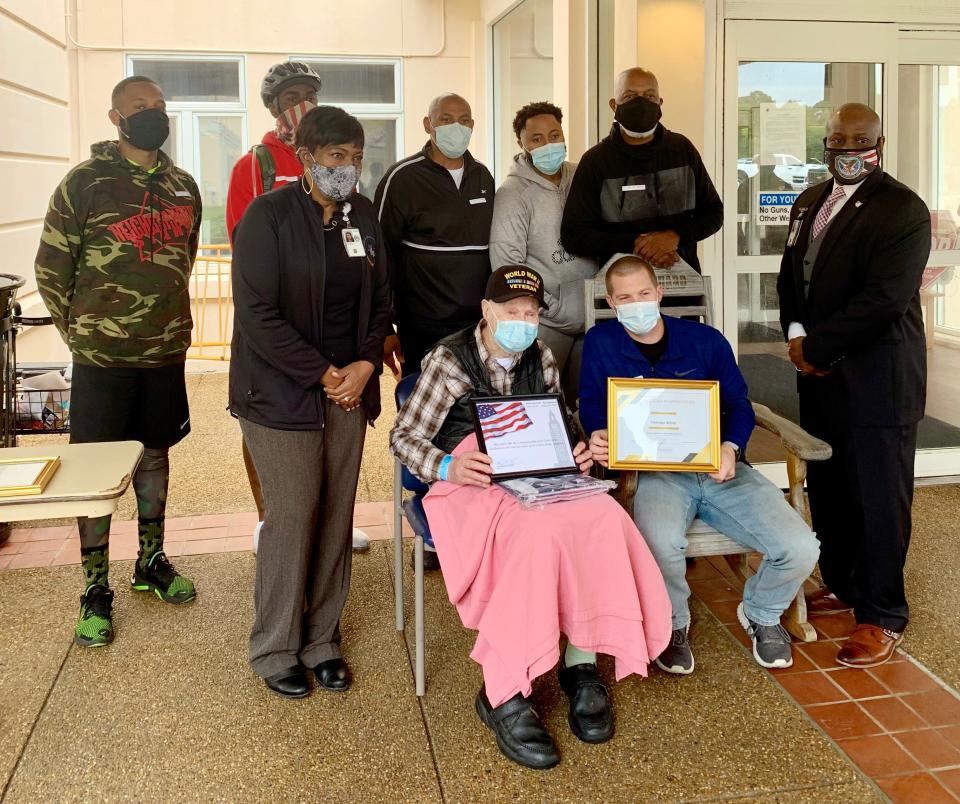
(284, 74)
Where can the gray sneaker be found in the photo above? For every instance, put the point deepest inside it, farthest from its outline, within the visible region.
(677, 658)
(771, 643)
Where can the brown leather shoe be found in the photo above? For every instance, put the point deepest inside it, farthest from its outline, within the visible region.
(868, 646)
(823, 601)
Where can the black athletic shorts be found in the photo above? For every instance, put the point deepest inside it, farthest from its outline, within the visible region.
(148, 405)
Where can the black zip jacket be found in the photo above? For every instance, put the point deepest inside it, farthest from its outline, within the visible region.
(279, 268)
(620, 191)
(438, 237)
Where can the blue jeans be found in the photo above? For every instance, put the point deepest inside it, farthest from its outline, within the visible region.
(748, 509)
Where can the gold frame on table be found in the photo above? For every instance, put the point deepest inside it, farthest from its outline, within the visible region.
(40, 480)
(707, 459)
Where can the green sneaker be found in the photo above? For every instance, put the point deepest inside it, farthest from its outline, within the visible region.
(163, 580)
(95, 627)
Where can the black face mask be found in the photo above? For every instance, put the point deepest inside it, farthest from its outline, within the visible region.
(146, 130)
(851, 165)
(638, 115)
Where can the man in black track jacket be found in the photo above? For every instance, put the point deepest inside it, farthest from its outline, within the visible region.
(642, 189)
(435, 209)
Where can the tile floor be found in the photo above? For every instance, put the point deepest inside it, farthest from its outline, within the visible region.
(898, 723)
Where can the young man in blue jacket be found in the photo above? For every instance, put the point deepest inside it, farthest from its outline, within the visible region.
(736, 500)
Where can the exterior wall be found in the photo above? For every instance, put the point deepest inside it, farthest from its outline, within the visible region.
(35, 128)
(436, 57)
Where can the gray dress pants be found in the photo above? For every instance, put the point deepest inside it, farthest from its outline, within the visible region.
(309, 480)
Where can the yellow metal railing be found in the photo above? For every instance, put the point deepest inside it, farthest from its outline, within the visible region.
(211, 302)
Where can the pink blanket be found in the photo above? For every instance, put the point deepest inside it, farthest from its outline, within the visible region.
(522, 576)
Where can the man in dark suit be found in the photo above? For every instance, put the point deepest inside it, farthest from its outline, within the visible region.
(849, 302)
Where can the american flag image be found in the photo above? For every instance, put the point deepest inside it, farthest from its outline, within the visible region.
(500, 418)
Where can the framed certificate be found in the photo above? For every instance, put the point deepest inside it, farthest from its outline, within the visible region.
(20, 477)
(525, 436)
(664, 425)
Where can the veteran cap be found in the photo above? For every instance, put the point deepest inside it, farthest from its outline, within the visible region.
(512, 281)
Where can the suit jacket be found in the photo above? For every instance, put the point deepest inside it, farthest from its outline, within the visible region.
(862, 313)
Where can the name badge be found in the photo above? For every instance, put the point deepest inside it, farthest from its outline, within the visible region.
(628, 187)
(794, 233)
(182, 193)
(478, 200)
(352, 242)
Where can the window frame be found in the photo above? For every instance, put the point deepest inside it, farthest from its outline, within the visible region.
(199, 106)
(368, 111)
(361, 110)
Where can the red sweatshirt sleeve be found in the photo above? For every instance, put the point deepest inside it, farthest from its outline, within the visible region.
(245, 185)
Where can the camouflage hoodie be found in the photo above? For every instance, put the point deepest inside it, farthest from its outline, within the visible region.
(115, 257)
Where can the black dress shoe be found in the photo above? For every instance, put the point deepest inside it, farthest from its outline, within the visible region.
(520, 735)
(591, 718)
(333, 675)
(291, 683)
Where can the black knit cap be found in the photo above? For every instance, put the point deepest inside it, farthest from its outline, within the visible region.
(512, 281)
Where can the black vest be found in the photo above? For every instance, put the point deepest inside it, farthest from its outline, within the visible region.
(527, 379)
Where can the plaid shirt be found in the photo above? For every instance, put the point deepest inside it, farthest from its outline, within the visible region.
(442, 382)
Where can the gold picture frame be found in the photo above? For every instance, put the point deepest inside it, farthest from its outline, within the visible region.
(693, 406)
(22, 477)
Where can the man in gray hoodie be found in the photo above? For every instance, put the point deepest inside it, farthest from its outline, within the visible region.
(526, 231)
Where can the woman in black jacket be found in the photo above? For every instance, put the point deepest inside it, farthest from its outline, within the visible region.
(312, 309)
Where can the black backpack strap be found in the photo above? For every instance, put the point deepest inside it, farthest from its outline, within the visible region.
(268, 169)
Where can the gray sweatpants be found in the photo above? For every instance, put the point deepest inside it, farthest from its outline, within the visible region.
(309, 480)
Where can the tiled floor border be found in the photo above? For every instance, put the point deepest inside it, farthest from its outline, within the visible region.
(899, 723)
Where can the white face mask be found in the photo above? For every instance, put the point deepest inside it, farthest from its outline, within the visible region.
(639, 317)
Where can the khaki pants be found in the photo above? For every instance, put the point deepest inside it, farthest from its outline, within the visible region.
(309, 481)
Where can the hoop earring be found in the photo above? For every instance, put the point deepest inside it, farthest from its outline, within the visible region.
(303, 183)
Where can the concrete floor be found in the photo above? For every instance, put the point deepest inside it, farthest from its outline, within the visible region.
(171, 711)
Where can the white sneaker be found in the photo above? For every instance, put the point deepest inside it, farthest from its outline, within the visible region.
(256, 536)
(361, 541)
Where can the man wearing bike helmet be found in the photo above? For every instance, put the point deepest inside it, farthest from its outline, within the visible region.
(289, 90)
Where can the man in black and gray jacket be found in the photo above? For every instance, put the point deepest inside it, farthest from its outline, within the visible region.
(643, 189)
(435, 209)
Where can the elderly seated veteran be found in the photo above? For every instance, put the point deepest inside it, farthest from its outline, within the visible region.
(523, 576)
(736, 500)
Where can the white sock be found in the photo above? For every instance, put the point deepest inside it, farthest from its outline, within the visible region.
(574, 656)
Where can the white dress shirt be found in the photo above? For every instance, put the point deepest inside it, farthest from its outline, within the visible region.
(796, 329)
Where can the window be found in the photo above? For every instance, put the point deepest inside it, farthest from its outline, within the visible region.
(522, 71)
(371, 90)
(193, 79)
(207, 124)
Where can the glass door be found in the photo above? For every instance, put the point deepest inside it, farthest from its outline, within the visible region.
(782, 80)
(928, 161)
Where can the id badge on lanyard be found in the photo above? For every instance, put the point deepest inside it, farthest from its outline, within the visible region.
(352, 242)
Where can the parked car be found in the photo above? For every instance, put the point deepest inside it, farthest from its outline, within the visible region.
(790, 170)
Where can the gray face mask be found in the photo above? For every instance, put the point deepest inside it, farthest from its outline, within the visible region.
(336, 183)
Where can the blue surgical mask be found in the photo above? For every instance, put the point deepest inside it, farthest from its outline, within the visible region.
(549, 158)
(639, 317)
(453, 139)
(336, 183)
(515, 336)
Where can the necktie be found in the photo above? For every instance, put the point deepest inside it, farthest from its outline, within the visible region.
(823, 216)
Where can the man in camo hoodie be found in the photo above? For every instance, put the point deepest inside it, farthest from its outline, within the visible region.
(113, 268)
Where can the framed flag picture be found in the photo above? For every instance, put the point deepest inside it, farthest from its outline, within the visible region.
(525, 436)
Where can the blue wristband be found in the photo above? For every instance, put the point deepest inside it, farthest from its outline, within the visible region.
(445, 466)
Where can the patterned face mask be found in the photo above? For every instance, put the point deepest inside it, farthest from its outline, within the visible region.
(336, 183)
(288, 121)
(851, 165)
